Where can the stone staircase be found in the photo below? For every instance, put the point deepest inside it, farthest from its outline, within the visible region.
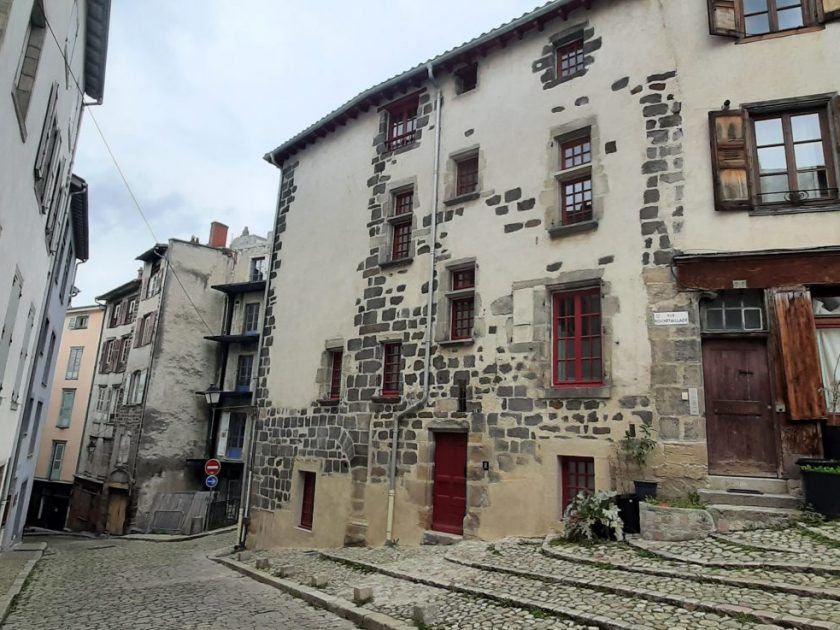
(738, 503)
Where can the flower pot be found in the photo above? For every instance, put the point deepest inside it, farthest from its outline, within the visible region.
(628, 509)
(645, 489)
(822, 490)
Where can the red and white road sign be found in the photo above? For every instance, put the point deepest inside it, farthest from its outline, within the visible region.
(212, 466)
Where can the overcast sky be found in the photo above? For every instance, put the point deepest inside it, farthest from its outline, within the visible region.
(197, 91)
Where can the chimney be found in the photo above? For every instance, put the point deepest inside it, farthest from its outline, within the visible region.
(218, 234)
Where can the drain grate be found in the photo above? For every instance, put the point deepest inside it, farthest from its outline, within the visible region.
(743, 491)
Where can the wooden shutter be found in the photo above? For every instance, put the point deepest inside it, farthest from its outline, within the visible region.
(46, 131)
(834, 107)
(723, 18)
(798, 344)
(730, 160)
(830, 9)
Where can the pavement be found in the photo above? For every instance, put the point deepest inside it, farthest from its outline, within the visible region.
(108, 584)
(757, 580)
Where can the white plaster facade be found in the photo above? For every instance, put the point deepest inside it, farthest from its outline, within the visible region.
(39, 244)
(337, 182)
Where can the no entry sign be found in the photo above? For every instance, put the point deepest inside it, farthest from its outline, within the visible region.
(212, 466)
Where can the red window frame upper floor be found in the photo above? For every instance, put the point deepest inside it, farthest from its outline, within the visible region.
(576, 335)
(570, 59)
(391, 369)
(466, 175)
(577, 475)
(402, 122)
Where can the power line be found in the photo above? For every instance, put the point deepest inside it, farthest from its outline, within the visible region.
(120, 171)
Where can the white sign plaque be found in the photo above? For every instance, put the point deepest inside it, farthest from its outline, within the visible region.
(670, 318)
(693, 402)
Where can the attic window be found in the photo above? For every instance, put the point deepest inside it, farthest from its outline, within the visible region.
(466, 78)
(402, 122)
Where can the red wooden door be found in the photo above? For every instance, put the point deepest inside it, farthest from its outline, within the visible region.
(740, 430)
(307, 503)
(450, 483)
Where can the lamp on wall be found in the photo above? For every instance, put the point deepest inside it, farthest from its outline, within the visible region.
(213, 395)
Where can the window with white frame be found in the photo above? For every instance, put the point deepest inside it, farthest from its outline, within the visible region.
(65, 412)
(56, 459)
(74, 363)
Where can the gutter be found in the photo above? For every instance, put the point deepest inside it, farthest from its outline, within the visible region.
(430, 301)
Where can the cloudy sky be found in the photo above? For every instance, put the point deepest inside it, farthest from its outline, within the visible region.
(197, 91)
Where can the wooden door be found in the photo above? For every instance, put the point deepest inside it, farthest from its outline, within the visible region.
(450, 483)
(740, 428)
(117, 506)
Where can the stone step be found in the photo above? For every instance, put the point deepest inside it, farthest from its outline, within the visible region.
(733, 518)
(431, 537)
(722, 497)
(765, 485)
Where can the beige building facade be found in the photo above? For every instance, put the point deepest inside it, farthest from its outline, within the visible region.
(61, 439)
(634, 229)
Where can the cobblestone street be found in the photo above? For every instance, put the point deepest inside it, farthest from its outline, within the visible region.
(152, 585)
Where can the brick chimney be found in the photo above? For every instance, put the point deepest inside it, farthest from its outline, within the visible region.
(218, 234)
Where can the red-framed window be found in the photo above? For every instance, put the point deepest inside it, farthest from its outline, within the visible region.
(403, 203)
(576, 152)
(570, 59)
(466, 175)
(576, 337)
(402, 122)
(462, 307)
(335, 374)
(401, 247)
(577, 475)
(307, 500)
(577, 200)
(391, 369)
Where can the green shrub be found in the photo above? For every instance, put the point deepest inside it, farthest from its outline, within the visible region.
(826, 470)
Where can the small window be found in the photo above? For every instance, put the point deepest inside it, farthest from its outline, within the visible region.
(403, 203)
(734, 311)
(56, 460)
(575, 187)
(307, 500)
(74, 363)
(136, 387)
(155, 278)
(125, 347)
(244, 369)
(402, 122)
(236, 435)
(102, 396)
(131, 315)
(116, 311)
(770, 16)
(30, 58)
(577, 477)
(466, 176)
(577, 200)
(792, 154)
(461, 305)
(257, 269)
(252, 318)
(391, 370)
(466, 78)
(336, 357)
(827, 321)
(577, 338)
(105, 358)
(78, 323)
(65, 412)
(401, 246)
(570, 59)
(48, 364)
(576, 152)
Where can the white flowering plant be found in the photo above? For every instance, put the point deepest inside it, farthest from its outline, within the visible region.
(590, 517)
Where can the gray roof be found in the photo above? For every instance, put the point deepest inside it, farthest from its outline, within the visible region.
(384, 91)
(96, 46)
(123, 289)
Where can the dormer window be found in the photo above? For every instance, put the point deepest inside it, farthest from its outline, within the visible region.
(466, 78)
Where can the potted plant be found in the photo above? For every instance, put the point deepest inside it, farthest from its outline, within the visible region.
(590, 517)
(821, 481)
(637, 448)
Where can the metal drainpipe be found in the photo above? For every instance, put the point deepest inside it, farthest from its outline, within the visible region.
(247, 471)
(430, 301)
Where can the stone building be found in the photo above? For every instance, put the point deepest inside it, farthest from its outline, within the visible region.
(149, 429)
(61, 439)
(52, 56)
(598, 219)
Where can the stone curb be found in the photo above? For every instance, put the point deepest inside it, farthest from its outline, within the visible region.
(17, 586)
(364, 618)
(509, 600)
(730, 610)
(826, 536)
(174, 538)
(793, 589)
(792, 567)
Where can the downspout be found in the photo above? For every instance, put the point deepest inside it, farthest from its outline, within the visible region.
(430, 302)
(247, 472)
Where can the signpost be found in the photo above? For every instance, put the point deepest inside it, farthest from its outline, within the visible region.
(212, 466)
(212, 481)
